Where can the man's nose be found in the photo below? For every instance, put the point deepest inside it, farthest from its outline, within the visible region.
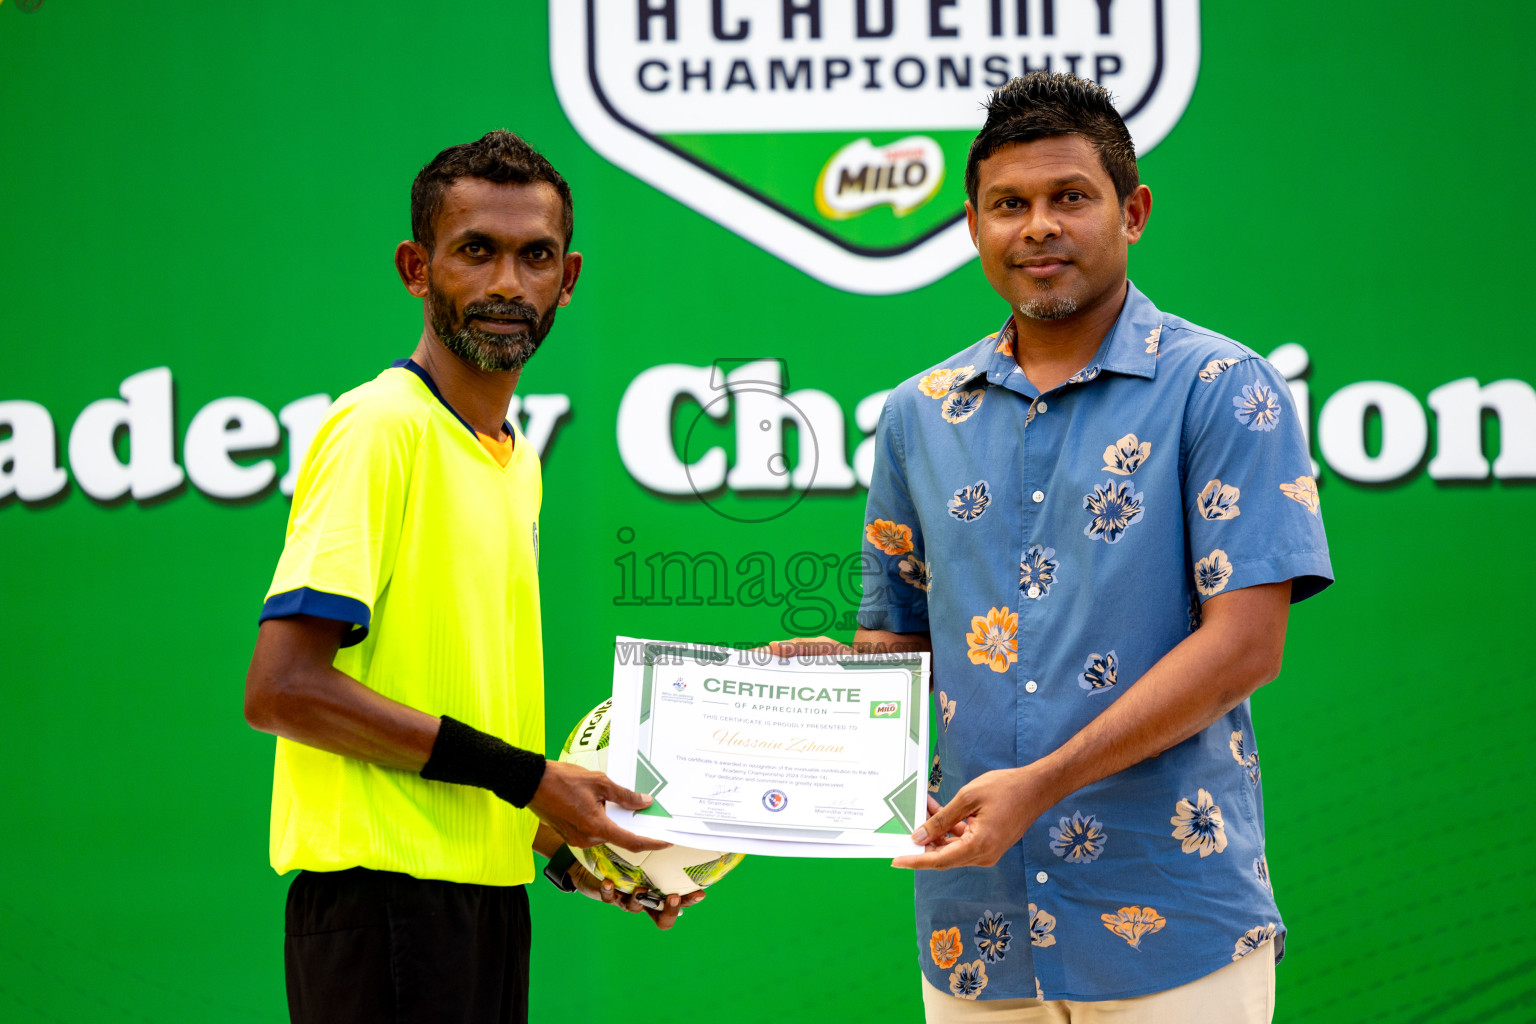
(1041, 224)
(506, 283)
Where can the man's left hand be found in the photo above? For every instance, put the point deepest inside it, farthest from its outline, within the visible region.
(987, 816)
(604, 891)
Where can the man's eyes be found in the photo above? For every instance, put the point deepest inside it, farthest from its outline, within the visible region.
(1072, 196)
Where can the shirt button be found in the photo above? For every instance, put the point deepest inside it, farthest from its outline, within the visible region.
(1042, 877)
(1038, 497)
(1039, 407)
(1031, 686)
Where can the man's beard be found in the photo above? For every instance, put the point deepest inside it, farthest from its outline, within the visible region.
(483, 348)
(1046, 305)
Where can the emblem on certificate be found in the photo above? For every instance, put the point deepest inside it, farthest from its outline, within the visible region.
(821, 756)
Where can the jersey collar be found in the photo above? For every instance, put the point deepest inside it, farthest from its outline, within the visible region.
(426, 378)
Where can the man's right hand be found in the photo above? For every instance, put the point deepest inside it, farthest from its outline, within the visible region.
(572, 801)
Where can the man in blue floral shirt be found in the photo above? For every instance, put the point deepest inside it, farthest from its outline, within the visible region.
(1096, 519)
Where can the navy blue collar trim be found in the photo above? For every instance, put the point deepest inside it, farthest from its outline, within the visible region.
(426, 378)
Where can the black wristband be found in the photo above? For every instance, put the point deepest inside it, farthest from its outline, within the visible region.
(558, 870)
(464, 755)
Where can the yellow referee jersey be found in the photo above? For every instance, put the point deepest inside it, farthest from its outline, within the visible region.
(407, 526)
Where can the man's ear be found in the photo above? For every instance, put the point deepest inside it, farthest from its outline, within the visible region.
(411, 262)
(970, 221)
(1138, 207)
(570, 272)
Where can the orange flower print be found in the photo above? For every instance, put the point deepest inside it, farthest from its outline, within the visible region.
(1152, 339)
(946, 948)
(1304, 490)
(892, 538)
(994, 639)
(1004, 344)
(1134, 923)
(940, 382)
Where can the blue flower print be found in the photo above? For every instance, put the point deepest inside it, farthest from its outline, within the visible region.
(959, 406)
(992, 937)
(1079, 839)
(1037, 571)
(1261, 870)
(1083, 376)
(1257, 407)
(1115, 506)
(1099, 673)
(970, 502)
(935, 776)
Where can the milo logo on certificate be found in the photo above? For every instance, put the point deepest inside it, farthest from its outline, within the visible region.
(834, 133)
(885, 709)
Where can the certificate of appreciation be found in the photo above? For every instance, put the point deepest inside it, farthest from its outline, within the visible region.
(821, 756)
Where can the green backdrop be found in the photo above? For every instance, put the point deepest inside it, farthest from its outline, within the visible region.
(217, 189)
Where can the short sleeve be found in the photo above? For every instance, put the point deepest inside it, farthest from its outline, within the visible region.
(1249, 496)
(345, 523)
(896, 577)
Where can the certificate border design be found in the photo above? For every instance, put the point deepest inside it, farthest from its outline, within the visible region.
(902, 800)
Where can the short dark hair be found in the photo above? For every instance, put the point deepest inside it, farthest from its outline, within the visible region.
(498, 156)
(1041, 105)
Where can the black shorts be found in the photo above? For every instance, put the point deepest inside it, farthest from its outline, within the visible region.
(371, 946)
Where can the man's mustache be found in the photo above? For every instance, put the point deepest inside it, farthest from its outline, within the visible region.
(502, 311)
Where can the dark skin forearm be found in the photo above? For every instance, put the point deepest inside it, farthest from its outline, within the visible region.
(293, 691)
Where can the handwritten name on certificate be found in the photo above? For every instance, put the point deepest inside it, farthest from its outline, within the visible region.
(829, 751)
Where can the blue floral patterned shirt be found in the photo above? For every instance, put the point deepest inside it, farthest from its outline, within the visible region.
(1055, 546)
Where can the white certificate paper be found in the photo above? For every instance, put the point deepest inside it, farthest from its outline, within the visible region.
(741, 751)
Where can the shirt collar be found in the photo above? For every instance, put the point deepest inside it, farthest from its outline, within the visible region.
(1129, 348)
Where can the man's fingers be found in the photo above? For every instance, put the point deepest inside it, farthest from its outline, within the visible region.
(630, 841)
(625, 798)
(939, 822)
(802, 646)
(953, 855)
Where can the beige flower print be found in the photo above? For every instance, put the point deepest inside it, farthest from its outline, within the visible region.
(1212, 573)
(1126, 455)
(1216, 367)
(1198, 826)
(1304, 491)
(1218, 501)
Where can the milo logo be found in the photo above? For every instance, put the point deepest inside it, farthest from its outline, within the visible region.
(903, 175)
(885, 709)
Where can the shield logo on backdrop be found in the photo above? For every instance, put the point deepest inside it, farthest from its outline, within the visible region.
(833, 133)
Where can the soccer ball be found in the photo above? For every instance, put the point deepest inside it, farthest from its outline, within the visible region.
(677, 869)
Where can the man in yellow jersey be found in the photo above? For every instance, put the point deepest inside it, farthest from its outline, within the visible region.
(399, 659)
